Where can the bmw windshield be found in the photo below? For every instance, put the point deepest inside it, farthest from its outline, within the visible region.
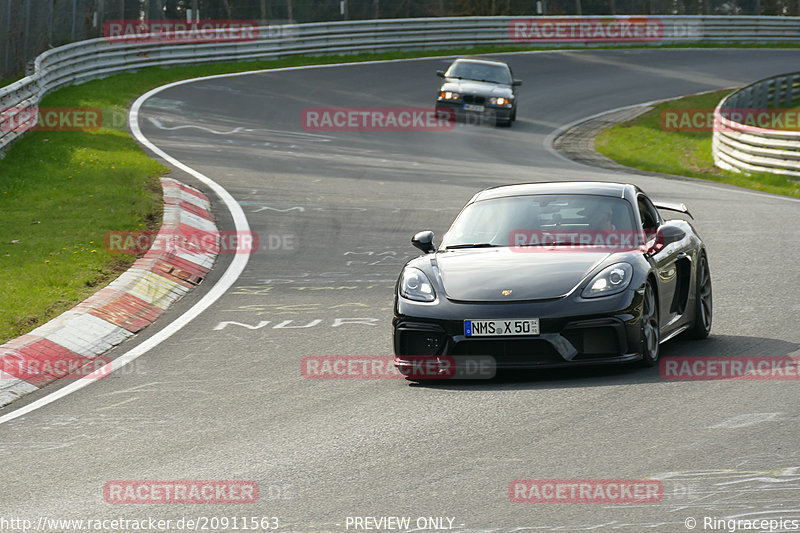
(468, 70)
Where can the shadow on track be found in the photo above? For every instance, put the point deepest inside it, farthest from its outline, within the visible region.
(605, 375)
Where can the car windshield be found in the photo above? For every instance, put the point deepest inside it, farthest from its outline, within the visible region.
(468, 70)
(495, 222)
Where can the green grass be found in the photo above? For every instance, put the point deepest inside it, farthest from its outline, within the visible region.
(60, 192)
(642, 143)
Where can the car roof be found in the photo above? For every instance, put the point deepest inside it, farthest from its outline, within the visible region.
(600, 188)
(482, 61)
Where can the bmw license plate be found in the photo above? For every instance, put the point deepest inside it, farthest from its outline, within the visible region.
(501, 328)
(473, 107)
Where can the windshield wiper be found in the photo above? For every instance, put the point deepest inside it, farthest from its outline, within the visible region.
(474, 245)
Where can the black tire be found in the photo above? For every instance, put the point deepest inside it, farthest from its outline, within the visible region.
(651, 332)
(704, 301)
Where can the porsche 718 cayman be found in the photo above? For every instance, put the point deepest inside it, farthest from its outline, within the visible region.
(554, 274)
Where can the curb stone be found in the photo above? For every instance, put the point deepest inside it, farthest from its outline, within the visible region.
(75, 339)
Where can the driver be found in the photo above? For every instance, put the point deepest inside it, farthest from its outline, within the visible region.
(601, 217)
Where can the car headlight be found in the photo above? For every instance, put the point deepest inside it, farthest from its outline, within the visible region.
(499, 100)
(415, 285)
(611, 280)
(449, 95)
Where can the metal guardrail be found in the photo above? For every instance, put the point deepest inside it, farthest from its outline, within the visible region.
(95, 58)
(747, 148)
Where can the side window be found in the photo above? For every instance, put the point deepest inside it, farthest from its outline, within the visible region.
(648, 214)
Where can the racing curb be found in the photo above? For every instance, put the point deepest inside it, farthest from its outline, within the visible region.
(69, 345)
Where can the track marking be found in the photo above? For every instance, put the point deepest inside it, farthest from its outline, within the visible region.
(116, 404)
(157, 123)
(225, 282)
(551, 137)
(240, 221)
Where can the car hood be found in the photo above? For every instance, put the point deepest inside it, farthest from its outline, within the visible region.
(476, 87)
(483, 275)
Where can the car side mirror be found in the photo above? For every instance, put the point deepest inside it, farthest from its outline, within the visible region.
(440, 73)
(666, 234)
(516, 83)
(424, 241)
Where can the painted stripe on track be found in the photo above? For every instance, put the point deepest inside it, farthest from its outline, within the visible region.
(240, 221)
(551, 137)
(228, 278)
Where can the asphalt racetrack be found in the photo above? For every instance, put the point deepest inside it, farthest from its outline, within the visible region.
(224, 398)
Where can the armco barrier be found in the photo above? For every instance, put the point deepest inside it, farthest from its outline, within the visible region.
(746, 148)
(95, 58)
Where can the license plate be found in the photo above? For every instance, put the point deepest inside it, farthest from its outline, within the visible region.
(473, 107)
(501, 328)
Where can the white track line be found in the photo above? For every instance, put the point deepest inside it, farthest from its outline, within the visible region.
(240, 221)
(228, 278)
(551, 137)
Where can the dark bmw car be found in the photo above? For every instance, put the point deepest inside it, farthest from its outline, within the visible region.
(481, 89)
(554, 274)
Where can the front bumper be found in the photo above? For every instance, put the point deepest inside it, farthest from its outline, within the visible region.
(489, 113)
(609, 336)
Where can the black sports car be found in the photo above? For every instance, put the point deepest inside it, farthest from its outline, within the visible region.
(554, 274)
(479, 88)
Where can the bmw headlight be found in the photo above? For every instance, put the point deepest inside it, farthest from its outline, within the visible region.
(415, 285)
(500, 101)
(611, 280)
(449, 95)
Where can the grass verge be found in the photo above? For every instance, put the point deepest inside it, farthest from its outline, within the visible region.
(61, 191)
(644, 144)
